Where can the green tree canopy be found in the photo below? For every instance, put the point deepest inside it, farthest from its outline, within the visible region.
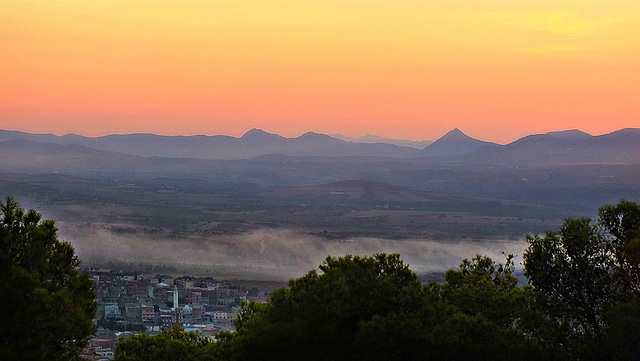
(488, 308)
(47, 307)
(483, 287)
(170, 344)
(374, 308)
(319, 316)
(588, 278)
(574, 266)
(622, 224)
(621, 221)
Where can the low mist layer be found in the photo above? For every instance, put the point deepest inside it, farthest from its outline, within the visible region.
(264, 254)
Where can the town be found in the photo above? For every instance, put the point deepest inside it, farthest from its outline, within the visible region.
(129, 304)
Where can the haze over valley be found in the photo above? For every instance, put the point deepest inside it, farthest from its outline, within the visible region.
(263, 205)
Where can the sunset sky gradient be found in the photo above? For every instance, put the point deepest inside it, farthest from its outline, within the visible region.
(496, 69)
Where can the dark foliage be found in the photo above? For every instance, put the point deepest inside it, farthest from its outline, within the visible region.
(587, 276)
(46, 305)
(171, 344)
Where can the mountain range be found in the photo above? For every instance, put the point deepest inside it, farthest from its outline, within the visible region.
(456, 185)
(372, 139)
(568, 147)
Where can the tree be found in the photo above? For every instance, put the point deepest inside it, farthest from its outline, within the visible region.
(622, 225)
(487, 310)
(621, 221)
(170, 344)
(588, 279)
(575, 267)
(320, 316)
(482, 286)
(587, 266)
(374, 308)
(622, 331)
(47, 306)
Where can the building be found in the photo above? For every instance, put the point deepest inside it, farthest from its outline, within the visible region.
(148, 314)
(112, 311)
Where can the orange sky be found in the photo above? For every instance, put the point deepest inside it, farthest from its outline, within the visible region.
(497, 69)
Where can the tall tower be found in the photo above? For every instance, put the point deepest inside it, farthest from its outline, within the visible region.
(175, 296)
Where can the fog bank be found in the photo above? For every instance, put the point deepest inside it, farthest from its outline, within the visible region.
(265, 254)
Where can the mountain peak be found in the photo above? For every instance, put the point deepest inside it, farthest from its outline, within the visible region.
(256, 133)
(571, 134)
(454, 134)
(312, 135)
(455, 142)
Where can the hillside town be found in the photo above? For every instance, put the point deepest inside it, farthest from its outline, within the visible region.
(130, 304)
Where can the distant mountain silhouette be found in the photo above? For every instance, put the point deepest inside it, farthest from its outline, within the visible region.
(27, 155)
(564, 148)
(44, 138)
(312, 136)
(571, 147)
(260, 138)
(254, 143)
(369, 138)
(454, 142)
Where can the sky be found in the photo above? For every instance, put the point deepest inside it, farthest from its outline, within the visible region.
(412, 69)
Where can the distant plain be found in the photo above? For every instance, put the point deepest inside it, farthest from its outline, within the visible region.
(274, 215)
